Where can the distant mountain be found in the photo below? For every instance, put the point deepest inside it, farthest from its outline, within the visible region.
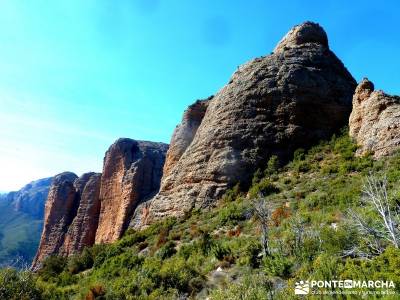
(21, 221)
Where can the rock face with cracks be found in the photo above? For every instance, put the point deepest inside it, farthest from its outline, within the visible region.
(60, 210)
(184, 133)
(97, 208)
(82, 230)
(375, 120)
(272, 105)
(131, 174)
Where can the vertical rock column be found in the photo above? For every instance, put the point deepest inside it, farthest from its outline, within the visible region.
(61, 206)
(132, 172)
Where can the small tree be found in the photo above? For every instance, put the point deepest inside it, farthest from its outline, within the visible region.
(376, 198)
(262, 214)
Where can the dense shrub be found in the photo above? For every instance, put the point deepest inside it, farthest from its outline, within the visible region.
(264, 188)
(167, 250)
(251, 286)
(52, 266)
(232, 194)
(277, 265)
(81, 262)
(232, 213)
(16, 285)
(177, 273)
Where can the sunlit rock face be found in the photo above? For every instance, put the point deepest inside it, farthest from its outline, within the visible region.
(61, 206)
(272, 105)
(97, 208)
(132, 172)
(375, 120)
(184, 133)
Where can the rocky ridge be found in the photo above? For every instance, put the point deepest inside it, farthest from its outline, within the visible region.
(97, 208)
(30, 199)
(272, 105)
(60, 209)
(131, 174)
(375, 120)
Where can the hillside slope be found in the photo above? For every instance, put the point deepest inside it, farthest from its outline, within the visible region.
(217, 253)
(21, 221)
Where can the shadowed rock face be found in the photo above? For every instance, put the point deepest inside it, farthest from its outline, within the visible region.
(132, 172)
(71, 215)
(82, 231)
(272, 105)
(60, 209)
(375, 120)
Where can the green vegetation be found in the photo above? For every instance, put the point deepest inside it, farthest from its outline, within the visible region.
(217, 253)
(19, 236)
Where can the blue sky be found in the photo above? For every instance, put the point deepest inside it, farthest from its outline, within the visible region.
(76, 75)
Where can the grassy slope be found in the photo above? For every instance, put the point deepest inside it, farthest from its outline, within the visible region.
(180, 257)
(19, 236)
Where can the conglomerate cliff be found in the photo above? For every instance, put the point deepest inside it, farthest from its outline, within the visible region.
(375, 120)
(272, 105)
(298, 95)
(97, 208)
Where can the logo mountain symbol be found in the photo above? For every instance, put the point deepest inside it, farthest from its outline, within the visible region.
(302, 288)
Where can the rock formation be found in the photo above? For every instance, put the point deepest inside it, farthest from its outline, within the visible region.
(184, 133)
(272, 105)
(132, 172)
(82, 231)
(97, 208)
(375, 120)
(61, 206)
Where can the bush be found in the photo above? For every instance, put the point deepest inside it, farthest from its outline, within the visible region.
(277, 265)
(232, 214)
(251, 286)
(220, 251)
(177, 273)
(231, 194)
(104, 252)
(95, 292)
(132, 238)
(336, 241)
(196, 284)
(264, 188)
(280, 214)
(80, 262)
(167, 250)
(251, 255)
(16, 285)
(52, 266)
(272, 166)
(205, 243)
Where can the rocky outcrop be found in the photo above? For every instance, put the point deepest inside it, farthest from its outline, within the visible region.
(97, 208)
(184, 133)
(61, 207)
(71, 215)
(131, 174)
(375, 120)
(82, 231)
(272, 105)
